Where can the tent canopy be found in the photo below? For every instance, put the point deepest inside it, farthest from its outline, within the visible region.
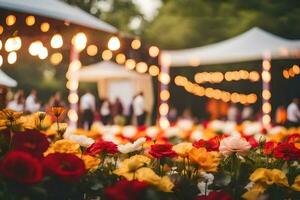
(57, 10)
(251, 45)
(6, 80)
(115, 80)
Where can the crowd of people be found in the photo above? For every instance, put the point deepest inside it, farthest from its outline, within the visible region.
(92, 109)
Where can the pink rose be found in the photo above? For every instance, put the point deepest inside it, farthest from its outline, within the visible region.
(234, 144)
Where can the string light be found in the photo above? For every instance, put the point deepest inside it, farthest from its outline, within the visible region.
(136, 44)
(141, 67)
(130, 64)
(79, 41)
(56, 41)
(73, 98)
(92, 50)
(164, 123)
(35, 47)
(72, 114)
(214, 93)
(13, 44)
(266, 94)
(43, 53)
(30, 20)
(164, 78)
(1, 29)
(56, 58)
(1, 60)
(12, 57)
(120, 58)
(153, 51)
(114, 43)
(11, 20)
(164, 95)
(291, 72)
(153, 70)
(163, 109)
(0, 44)
(45, 26)
(107, 54)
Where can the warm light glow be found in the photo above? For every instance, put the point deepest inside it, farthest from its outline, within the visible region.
(296, 69)
(45, 26)
(79, 41)
(266, 108)
(56, 41)
(73, 98)
(180, 80)
(254, 76)
(35, 48)
(10, 20)
(130, 64)
(136, 44)
(92, 50)
(107, 54)
(164, 78)
(72, 114)
(164, 123)
(266, 119)
(153, 51)
(164, 95)
(13, 44)
(30, 20)
(266, 94)
(12, 57)
(153, 70)
(266, 65)
(120, 58)
(114, 43)
(56, 58)
(1, 29)
(163, 109)
(141, 67)
(72, 85)
(1, 61)
(285, 74)
(266, 76)
(251, 98)
(43, 53)
(0, 44)
(75, 65)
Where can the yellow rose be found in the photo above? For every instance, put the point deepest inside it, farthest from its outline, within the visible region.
(130, 165)
(296, 185)
(207, 161)
(269, 176)
(90, 162)
(166, 184)
(64, 146)
(183, 149)
(33, 121)
(53, 128)
(254, 192)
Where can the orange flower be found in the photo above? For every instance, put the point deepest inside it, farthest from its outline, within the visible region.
(57, 111)
(207, 161)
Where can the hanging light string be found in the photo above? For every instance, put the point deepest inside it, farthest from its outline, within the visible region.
(217, 94)
(291, 72)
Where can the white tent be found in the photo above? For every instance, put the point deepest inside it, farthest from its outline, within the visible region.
(115, 80)
(6, 80)
(251, 45)
(57, 10)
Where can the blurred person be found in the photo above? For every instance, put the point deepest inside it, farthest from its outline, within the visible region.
(31, 104)
(87, 108)
(117, 108)
(56, 101)
(139, 108)
(247, 112)
(173, 114)
(293, 113)
(129, 113)
(233, 113)
(18, 103)
(105, 111)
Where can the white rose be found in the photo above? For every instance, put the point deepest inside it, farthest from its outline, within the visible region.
(131, 147)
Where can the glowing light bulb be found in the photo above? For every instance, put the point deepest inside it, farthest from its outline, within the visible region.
(45, 26)
(11, 20)
(13, 44)
(12, 57)
(107, 54)
(92, 50)
(79, 41)
(56, 41)
(136, 44)
(43, 53)
(30, 20)
(56, 58)
(153, 51)
(114, 43)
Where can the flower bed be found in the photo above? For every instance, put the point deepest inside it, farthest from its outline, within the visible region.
(214, 160)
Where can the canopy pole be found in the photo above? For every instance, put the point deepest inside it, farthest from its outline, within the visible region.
(72, 85)
(266, 91)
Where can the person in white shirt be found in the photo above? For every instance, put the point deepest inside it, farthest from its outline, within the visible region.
(31, 105)
(87, 108)
(293, 113)
(17, 104)
(105, 111)
(233, 113)
(247, 112)
(139, 108)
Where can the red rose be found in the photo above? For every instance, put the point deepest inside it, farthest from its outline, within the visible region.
(269, 147)
(215, 195)
(294, 138)
(21, 167)
(252, 141)
(162, 150)
(287, 151)
(210, 145)
(102, 147)
(126, 190)
(31, 141)
(67, 167)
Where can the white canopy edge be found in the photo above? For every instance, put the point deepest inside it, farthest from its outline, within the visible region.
(58, 10)
(6, 80)
(249, 46)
